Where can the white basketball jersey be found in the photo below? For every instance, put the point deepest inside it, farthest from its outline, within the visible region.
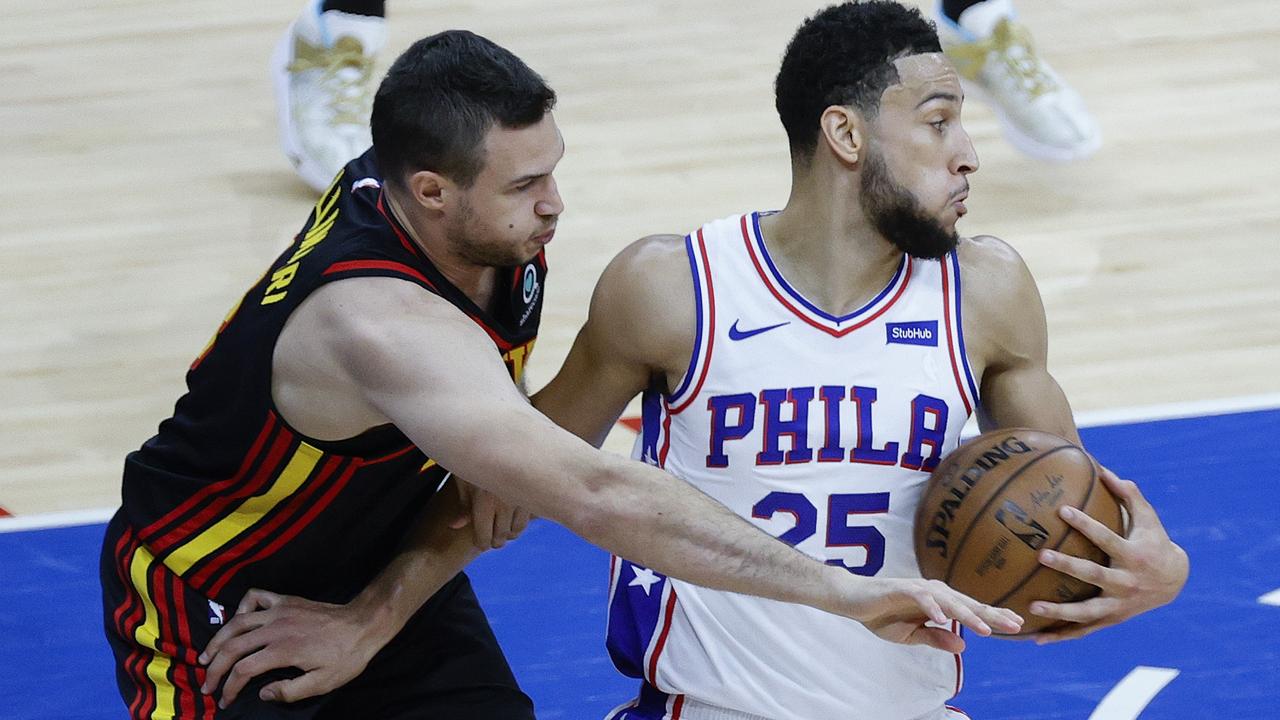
(821, 431)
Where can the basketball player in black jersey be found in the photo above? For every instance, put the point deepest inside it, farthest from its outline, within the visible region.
(375, 357)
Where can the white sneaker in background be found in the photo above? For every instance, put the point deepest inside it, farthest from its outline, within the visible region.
(322, 70)
(1041, 115)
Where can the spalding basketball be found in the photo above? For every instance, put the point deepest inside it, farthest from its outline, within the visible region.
(992, 505)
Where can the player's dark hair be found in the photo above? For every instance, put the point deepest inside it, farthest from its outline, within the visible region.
(844, 55)
(442, 95)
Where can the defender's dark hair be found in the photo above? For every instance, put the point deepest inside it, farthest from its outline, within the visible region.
(844, 55)
(442, 95)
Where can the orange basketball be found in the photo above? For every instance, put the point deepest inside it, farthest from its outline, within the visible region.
(992, 505)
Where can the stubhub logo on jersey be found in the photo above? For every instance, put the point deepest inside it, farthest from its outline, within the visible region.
(924, 332)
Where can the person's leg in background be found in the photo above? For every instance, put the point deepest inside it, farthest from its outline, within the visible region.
(322, 70)
(1041, 114)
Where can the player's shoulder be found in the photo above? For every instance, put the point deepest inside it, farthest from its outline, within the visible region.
(647, 293)
(373, 310)
(987, 253)
(653, 253)
(992, 268)
(648, 269)
(999, 293)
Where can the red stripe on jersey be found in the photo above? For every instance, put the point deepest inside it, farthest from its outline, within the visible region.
(227, 557)
(670, 611)
(676, 707)
(124, 551)
(128, 617)
(389, 265)
(711, 326)
(184, 680)
(666, 439)
(146, 699)
(192, 526)
(395, 226)
(503, 345)
(313, 510)
(951, 346)
(755, 260)
(955, 628)
(392, 456)
(201, 497)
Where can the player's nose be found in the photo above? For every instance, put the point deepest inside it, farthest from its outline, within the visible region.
(552, 204)
(965, 158)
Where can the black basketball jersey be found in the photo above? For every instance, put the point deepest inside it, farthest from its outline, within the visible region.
(229, 496)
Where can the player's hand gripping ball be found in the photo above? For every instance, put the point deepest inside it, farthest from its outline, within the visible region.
(992, 505)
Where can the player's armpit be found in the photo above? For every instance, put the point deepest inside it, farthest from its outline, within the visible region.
(640, 328)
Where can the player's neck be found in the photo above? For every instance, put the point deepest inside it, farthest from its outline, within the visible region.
(825, 245)
(475, 281)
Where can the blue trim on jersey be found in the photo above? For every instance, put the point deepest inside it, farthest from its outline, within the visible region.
(964, 357)
(633, 618)
(773, 270)
(634, 613)
(697, 337)
(650, 705)
(650, 427)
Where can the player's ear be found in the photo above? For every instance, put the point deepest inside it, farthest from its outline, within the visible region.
(843, 132)
(429, 189)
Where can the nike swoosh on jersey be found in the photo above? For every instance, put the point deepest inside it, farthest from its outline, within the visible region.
(736, 334)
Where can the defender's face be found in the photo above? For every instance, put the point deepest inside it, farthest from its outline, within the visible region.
(509, 213)
(919, 135)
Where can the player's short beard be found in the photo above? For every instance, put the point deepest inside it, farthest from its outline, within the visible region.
(897, 215)
(472, 243)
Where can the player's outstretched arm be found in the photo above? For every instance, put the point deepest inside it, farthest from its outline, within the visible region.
(1006, 329)
(427, 368)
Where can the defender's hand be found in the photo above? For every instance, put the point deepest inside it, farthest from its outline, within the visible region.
(329, 643)
(493, 522)
(1147, 568)
(896, 609)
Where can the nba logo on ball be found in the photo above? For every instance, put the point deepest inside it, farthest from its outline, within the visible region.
(992, 505)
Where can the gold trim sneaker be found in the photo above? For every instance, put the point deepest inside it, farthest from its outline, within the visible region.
(322, 70)
(1041, 115)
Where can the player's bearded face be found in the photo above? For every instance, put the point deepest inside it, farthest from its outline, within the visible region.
(480, 244)
(898, 216)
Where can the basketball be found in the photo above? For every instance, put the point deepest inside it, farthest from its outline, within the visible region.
(992, 505)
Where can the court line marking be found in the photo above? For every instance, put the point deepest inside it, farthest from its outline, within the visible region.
(1142, 413)
(44, 521)
(1271, 598)
(1174, 411)
(1133, 693)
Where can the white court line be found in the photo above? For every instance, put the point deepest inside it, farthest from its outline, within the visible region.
(1144, 413)
(1152, 413)
(1128, 698)
(1271, 598)
(56, 519)
(1171, 411)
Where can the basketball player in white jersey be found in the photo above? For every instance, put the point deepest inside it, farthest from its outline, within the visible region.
(808, 368)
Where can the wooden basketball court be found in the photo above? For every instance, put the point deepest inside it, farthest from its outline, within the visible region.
(144, 191)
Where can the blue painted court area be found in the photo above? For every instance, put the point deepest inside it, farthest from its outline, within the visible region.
(1213, 480)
